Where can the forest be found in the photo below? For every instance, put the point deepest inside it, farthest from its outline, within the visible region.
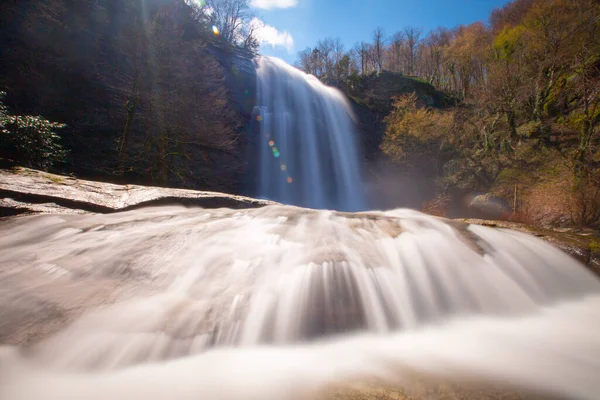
(523, 124)
(136, 89)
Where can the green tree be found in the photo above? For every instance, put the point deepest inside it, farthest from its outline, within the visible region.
(29, 140)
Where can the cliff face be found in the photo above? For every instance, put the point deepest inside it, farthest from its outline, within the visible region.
(377, 90)
(239, 71)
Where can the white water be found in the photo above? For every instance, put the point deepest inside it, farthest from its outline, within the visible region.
(285, 303)
(307, 153)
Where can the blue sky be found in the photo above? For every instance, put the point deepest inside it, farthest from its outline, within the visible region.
(292, 25)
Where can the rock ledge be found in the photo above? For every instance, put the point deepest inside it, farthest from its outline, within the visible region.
(26, 191)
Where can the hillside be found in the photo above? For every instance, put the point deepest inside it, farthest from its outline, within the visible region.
(509, 109)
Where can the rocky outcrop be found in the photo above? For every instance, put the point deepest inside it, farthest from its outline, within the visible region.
(582, 244)
(378, 90)
(26, 191)
(372, 97)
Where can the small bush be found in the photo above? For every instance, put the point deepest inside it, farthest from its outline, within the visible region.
(438, 206)
(29, 140)
(584, 205)
(411, 128)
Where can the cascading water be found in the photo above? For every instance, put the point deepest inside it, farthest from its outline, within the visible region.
(307, 154)
(284, 302)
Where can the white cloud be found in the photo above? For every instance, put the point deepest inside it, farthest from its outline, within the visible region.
(269, 4)
(269, 35)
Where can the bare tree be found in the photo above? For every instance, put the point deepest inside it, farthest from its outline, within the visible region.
(378, 48)
(360, 57)
(338, 50)
(413, 37)
(325, 60)
(394, 60)
(250, 41)
(433, 56)
(232, 19)
(306, 61)
(354, 61)
(364, 55)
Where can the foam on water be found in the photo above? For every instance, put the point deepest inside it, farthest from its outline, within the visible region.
(283, 302)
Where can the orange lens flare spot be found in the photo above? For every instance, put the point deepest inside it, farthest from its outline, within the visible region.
(259, 118)
(271, 143)
(289, 179)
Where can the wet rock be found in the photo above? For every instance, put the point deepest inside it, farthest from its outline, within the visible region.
(581, 244)
(26, 191)
(10, 207)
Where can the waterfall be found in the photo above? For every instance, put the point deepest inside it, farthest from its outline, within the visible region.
(286, 302)
(306, 153)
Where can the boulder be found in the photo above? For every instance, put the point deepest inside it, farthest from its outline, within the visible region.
(488, 206)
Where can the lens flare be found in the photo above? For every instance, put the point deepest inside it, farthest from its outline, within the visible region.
(290, 180)
(283, 167)
(272, 143)
(276, 153)
(215, 30)
(259, 118)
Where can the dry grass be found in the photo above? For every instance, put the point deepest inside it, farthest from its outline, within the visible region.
(562, 201)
